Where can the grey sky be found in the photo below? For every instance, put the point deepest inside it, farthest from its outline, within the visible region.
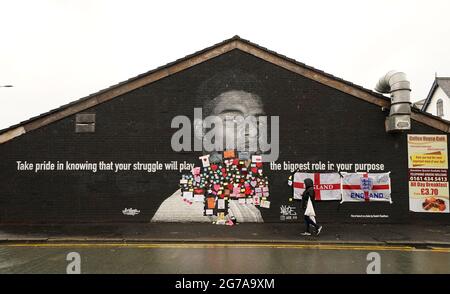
(56, 51)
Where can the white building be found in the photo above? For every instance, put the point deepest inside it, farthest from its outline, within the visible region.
(438, 99)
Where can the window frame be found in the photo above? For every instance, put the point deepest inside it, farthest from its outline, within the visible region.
(440, 107)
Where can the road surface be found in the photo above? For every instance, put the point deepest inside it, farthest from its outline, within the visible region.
(259, 258)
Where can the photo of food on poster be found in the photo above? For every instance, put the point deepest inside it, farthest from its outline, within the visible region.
(428, 173)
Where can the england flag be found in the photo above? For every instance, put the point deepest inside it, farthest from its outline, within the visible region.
(327, 186)
(365, 187)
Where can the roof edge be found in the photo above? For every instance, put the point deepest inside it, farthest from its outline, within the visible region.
(430, 94)
(199, 57)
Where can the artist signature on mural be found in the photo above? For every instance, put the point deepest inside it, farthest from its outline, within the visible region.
(287, 212)
(131, 211)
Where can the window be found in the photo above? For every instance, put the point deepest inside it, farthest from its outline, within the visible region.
(440, 107)
(85, 123)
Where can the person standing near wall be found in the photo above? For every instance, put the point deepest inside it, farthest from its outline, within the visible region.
(308, 202)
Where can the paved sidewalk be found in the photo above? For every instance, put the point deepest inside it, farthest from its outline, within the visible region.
(373, 234)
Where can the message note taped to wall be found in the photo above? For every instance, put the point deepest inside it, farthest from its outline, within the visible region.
(428, 173)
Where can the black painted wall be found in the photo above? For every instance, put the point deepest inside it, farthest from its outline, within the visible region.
(316, 123)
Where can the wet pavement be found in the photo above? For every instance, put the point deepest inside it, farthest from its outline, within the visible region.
(379, 234)
(198, 258)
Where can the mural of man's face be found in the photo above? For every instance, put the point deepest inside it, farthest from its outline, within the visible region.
(231, 107)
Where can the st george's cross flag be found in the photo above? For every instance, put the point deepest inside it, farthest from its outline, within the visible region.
(365, 187)
(327, 186)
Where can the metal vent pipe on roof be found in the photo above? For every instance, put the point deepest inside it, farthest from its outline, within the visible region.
(396, 83)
